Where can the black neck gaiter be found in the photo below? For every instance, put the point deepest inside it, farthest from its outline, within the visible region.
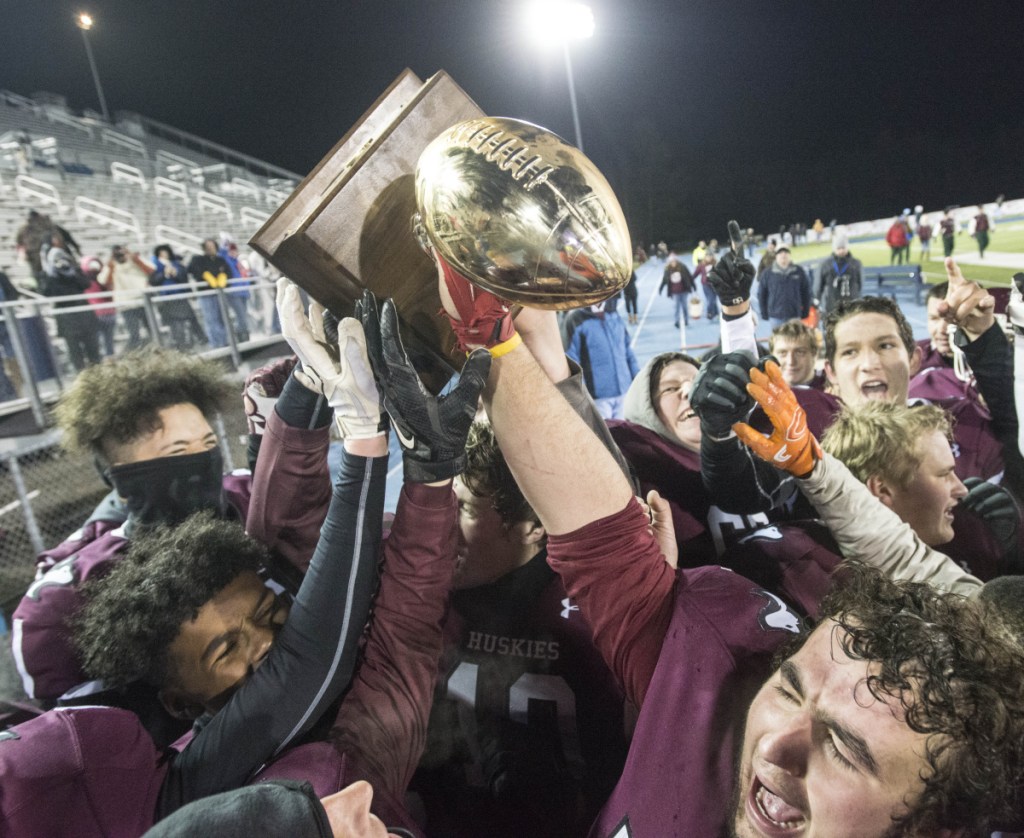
(169, 489)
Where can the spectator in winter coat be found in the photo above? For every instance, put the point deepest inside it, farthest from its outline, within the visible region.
(839, 277)
(600, 345)
(678, 282)
(784, 291)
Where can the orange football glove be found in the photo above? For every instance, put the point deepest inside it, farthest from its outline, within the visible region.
(791, 447)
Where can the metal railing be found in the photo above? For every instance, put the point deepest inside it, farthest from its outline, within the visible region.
(87, 209)
(36, 360)
(115, 138)
(123, 173)
(180, 240)
(166, 186)
(208, 202)
(215, 150)
(38, 191)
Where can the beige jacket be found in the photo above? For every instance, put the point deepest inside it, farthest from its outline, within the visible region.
(872, 533)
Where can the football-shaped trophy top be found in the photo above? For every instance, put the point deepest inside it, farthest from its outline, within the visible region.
(523, 214)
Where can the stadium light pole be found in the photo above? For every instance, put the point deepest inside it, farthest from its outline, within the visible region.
(563, 22)
(85, 22)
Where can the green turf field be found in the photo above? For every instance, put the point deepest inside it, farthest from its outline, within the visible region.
(1008, 238)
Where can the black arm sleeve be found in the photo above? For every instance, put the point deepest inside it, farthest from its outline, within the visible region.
(990, 357)
(738, 481)
(313, 658)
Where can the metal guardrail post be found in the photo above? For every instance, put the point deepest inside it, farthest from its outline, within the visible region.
(151, 319)
(222, 440)
(37, 310)
(27, 379)
(31, 525)
(222, 301)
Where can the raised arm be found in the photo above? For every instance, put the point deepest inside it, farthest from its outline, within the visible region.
(863, 527)
(314, 657)
(382, 722)
(599, 540)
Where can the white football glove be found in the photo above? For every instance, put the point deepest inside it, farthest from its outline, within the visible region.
(346, 382)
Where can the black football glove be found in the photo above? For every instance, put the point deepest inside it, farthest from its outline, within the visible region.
(731, 278)
(432, 430)
(994, 505)
(719, 394)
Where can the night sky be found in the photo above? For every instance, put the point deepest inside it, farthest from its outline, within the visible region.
(768, 111)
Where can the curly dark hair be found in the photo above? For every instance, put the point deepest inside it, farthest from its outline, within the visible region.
(132, 615)
(866, 305)
(487, 475)
(118, 401)
(957, 677)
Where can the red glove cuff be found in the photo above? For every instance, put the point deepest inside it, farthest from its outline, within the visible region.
(484, 320)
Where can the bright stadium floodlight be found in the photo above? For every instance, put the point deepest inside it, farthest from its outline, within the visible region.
(85, 21)
(556, 24)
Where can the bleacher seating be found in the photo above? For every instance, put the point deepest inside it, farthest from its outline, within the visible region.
(110, 184)
(890, 280)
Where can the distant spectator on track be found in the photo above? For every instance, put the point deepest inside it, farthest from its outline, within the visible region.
(924, 236)
(784, 290)
(600, 345)
(947, 229)
(897, 240)
(839, 277)
(981, 227)
(677, 282)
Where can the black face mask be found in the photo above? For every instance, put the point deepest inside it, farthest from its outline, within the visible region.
(169, 489)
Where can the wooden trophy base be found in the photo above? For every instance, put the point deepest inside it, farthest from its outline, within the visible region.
(346, 226)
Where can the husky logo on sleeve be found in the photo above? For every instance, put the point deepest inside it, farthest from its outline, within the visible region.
(622, 830)
(776, 614)
(769, 533)
(61, 574)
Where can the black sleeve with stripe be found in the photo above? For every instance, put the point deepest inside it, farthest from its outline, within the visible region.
(314, 657)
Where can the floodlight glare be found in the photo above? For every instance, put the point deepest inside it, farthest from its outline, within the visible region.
(555, 23)
(84, 21)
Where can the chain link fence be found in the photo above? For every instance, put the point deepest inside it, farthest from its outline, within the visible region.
(46, 493)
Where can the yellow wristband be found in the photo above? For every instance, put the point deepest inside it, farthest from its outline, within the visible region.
(505, 347)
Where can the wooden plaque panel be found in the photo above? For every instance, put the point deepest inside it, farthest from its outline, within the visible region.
(346, 226)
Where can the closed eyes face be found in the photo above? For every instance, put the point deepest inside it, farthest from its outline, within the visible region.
(227, 641)
(820, 755)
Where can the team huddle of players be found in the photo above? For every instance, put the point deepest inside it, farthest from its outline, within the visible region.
(695, 621)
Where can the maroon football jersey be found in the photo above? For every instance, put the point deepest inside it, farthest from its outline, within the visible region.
(691, 649)
(703, 531)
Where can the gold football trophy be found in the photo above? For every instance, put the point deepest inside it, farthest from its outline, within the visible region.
(516, 209)
(523, 214)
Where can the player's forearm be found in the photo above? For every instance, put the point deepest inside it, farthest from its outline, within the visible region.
(312, 660)
(382, 722)
(563, 469)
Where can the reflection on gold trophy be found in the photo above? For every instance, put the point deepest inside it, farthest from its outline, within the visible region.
(523, 214)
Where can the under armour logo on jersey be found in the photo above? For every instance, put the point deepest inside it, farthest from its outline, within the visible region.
(776, 614)
(955, 448)
(567, 606)
(769, 533)
(9, 734)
